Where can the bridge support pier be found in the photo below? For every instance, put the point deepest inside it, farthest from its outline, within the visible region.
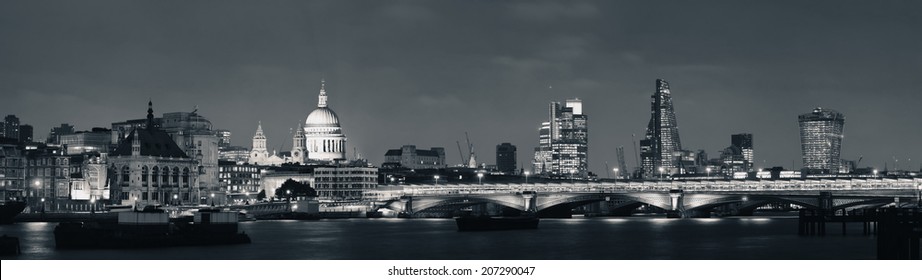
(407, 207)
(530, 201)
(825, 201)
(676, 211)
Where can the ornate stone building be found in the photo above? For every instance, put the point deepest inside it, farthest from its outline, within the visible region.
(324, 138)
(149, 168)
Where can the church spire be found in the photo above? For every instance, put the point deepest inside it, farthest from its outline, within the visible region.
(150, 114)
(259, 128)
(322, 99)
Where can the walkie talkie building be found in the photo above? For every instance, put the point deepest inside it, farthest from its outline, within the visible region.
(821, 140)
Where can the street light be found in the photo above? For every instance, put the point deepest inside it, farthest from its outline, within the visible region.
(708, 172)
(288, 194)
(212, 199)
(175, 196)
(436, 179)
(661, 173)
(616, 173)
(480, 178)
(526, 177)
(37, 185)
(875, 173)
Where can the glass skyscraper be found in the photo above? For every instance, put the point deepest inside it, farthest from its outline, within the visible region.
(661, 147)
(821, 140)
(563, 148)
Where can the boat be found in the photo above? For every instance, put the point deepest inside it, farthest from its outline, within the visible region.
(152, 228)
(483, 223)
(374, 214)
(9, 210)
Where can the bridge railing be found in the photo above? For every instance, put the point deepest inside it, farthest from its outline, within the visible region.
(862, 184)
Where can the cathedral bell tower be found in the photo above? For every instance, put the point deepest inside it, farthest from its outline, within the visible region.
(259, 153)
(299, 150)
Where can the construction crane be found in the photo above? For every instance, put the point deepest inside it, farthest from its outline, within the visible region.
(472, 160)
(461, 153)
(607, 170)
(636, 154)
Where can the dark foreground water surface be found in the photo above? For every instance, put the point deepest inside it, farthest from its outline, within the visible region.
(639, 238)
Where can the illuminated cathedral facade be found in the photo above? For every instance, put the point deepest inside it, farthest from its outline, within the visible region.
(319, 139)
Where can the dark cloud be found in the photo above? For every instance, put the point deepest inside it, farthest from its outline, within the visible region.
(424, 72)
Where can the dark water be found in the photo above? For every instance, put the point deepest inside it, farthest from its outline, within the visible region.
(437, 239)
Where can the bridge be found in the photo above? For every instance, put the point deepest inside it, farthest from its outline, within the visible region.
(681, 198)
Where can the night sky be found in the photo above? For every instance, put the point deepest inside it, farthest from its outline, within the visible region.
(426, 72)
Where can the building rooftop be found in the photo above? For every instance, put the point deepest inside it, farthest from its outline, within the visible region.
(154, 142)
(425, 153)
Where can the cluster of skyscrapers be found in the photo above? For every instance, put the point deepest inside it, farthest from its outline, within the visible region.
(562, 150)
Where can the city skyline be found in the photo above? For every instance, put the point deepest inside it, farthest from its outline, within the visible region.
(754, 77)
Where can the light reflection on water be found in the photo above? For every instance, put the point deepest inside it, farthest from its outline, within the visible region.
(705, 221)
(604, 238)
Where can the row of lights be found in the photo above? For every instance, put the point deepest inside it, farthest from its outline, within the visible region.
(479, 178)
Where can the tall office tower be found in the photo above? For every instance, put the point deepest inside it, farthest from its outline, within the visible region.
(543, 155)
(11, 127)
(566, 151)
(744, 142)
(26, 133)
(658, 149)
(505, 158)
(821, 140)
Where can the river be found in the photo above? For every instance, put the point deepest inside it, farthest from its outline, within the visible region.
(629, 238)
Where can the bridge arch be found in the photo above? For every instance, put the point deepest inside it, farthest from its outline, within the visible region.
(875, 202)
(576, 200)
(747, 202)
(420, 204)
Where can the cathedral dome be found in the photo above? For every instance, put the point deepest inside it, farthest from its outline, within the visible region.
(322, 117)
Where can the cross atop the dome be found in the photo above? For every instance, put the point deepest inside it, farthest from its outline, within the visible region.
(322, 99)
